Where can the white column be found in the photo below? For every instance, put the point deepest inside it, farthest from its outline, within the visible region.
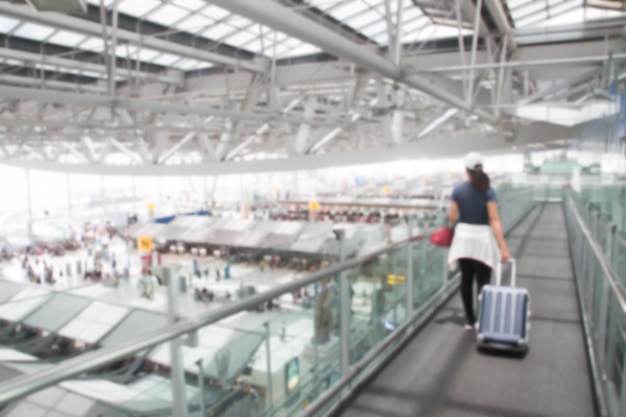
(69, 195)
(29, 203)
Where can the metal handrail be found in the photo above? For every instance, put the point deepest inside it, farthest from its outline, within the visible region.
(30, 383)
(602, 261)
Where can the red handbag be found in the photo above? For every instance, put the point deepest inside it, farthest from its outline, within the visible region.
(442, 237)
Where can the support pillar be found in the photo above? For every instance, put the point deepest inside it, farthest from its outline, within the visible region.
(29, 203)
(269, 394)
(177, 370)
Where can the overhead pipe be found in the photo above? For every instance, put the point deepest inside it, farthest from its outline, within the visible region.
(284, 20)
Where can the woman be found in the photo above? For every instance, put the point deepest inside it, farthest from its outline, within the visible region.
(478, 243)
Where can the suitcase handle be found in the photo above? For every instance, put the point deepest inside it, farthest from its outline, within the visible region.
(513, 264)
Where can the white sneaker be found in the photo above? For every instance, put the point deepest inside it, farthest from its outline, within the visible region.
(469, 327)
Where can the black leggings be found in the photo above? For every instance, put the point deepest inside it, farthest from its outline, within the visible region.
(470, 269)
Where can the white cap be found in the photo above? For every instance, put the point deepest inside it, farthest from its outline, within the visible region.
(473, 159)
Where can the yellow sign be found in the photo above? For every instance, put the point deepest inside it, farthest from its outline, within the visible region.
(395, 279)
(314, 205)
(144, 243)
(150, 206)
(386, 189)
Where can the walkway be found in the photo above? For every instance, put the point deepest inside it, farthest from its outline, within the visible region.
(441, 374)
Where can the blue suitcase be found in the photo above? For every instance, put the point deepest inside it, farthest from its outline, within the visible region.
(503, 315)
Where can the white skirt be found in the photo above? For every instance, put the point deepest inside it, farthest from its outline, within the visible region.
(474, 242)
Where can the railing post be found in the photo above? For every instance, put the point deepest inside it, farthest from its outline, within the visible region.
(201, 388)
(622, 394)
(590, 276)
(602, 325)
(409, 282)
(269, 402)
(610, 238)
(611, 348)
(344, 314)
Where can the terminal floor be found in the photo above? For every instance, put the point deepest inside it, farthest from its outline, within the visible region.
(440, 373)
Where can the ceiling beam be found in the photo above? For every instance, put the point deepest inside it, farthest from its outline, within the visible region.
(30, 57)
(604, 28)
(590, 60)
(445, 146)
(558, 86)
(500, 18)
(18, 93)
(285, 20)
(87, 27)
(43, 82)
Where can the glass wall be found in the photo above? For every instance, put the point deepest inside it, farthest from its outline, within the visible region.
(80, 198)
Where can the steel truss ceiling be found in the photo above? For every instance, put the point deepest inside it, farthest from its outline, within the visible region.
(161, 82)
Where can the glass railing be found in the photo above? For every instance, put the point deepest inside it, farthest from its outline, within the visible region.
(609, 201)
(315, 339)
(599, 260)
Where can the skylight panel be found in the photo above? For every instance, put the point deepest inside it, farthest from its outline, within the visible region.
(125, 51)
(280, 50)
(138, 8)
(194, 23)
(364, 19)
(381, 38)
(415, 25)
(107, 3)
(374, 29)
(165, 59)
(192, 5)
(347, 10)
(7, 25)
(145, 54)
(240, 38)
(92, 44)
(187, 64)
(34, 31)
(240, 22)
(256, 46)
(278, 36)
(553, 3)
(13, 62)
(569, 5)
(574, 16)
(517, 3)
(218, 31)
(528, 9)
(530, 20)
(411, 13)
(215, 12)
(66, 38)
(167, 15)
(293, 42)
(436, 32)
(90, 74)
(202, 65)
(304, 49)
